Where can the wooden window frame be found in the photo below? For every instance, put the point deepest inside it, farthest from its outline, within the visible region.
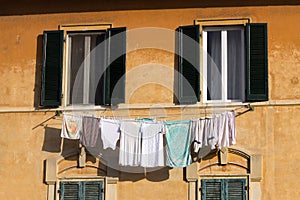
(221, 177)
(224, 67)
(72, 28)
(81, 179)
(215, 23)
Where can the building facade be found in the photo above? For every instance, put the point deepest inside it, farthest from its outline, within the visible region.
(170, 60)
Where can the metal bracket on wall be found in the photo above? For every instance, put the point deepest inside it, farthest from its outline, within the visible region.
(249, 108)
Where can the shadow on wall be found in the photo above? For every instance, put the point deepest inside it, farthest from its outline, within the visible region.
(14, 7)
(53, 143)
(38, 71)
(158, 175)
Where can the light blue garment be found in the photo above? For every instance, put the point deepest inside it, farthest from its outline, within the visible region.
(178, 143)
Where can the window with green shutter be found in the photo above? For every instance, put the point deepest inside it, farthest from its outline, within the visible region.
(235, 63)
(94, 67)
(224, 189)
(81, 190)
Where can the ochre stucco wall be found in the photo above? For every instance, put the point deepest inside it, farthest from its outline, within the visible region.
(269, 130)
(21, 50)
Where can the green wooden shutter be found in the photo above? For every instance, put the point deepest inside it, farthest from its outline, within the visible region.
(188, 64)
(115, 72)
(257, 62)
(223, 189)
(70, 190)
(235, 189)
(92, 190)
(84, 190)
(212, 189)
(52, 68)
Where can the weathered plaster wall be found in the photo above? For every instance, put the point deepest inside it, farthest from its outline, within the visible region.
(21, 51)
(269, 130)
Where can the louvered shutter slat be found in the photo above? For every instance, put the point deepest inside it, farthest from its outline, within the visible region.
(93, 191)
(236, 189)
(212, 189)
(70, 191)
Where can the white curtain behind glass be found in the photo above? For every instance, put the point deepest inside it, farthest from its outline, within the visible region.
(214, 68)
(235, 66)
(225, 64)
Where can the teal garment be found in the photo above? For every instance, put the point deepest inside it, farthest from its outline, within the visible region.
(178, 141)
(145, 119)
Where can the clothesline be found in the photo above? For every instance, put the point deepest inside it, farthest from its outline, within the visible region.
(59, 112)
(116, 111)
(162, 116)
(141, 140)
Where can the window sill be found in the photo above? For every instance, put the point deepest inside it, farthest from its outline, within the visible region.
(151, 106)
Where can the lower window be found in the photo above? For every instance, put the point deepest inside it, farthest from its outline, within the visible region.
(223, 189)
(81, 190)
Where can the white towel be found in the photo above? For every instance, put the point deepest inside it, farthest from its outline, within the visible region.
(130, 143)
(232, 132)
(71, 126)
(152, 144)
(196, 134)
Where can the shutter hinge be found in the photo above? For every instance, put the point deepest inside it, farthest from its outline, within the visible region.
(62, 95)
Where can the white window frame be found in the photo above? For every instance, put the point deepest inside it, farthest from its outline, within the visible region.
(224, 67)
(68, 28)
(86, 64)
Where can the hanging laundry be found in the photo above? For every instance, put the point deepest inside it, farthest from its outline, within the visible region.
(152, 144)
(209, 134)
(90, 126)
(130, 143)
(110, 132)
(71, 126)
(213, 136)
(178, 143)
(226, 127)
(197, 131)
(232, 132)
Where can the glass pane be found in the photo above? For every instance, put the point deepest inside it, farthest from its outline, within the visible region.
(235, 72)
(94, 66)
(97, 66)
(76, 69)
(214, 81)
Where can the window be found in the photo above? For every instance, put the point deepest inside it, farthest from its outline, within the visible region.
(234, 63)
(223, 189)
(85, 65)
(81, 190)
(94, 70)
(223, 63)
